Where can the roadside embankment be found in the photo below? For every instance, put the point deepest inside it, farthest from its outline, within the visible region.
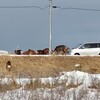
(43, 66)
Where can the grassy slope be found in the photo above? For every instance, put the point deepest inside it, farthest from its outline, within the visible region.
(39, 66)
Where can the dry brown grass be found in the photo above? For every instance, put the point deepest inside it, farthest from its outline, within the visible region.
(39, 66)
(6, 87)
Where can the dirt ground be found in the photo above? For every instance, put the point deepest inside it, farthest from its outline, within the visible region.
(44, 66)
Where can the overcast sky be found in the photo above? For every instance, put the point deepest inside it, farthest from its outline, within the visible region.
(28, 28)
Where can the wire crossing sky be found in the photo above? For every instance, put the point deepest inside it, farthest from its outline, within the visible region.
(26, 23)
(43, 8)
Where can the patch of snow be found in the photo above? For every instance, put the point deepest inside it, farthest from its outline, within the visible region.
(87, 87)
(23, 81)
(75, 77)
(57, 93)
(6, 80)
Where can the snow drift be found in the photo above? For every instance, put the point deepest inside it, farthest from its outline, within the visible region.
(73, 85)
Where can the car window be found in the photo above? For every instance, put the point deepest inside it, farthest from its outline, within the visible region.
(98, 45)
(94, 45)
(87, 45)
(90, 45)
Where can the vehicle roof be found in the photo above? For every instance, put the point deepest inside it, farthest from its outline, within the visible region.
(86, 43)
(90, 42)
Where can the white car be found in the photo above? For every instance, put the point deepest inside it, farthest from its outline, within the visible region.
(87, 49)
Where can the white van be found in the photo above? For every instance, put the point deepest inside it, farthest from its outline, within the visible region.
(87, 49)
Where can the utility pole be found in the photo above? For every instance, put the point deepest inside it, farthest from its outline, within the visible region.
(50, 26)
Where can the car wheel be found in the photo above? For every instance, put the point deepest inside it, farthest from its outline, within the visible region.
(76, 54)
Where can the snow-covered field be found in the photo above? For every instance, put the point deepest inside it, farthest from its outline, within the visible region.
(74, 85)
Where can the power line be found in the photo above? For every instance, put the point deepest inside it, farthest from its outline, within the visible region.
(42, 8)
(71, 8)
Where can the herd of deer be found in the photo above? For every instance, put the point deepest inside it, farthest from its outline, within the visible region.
(59, 50)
